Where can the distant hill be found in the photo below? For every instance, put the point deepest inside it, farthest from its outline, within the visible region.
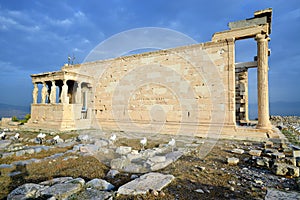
(278, 108)
(7, 110)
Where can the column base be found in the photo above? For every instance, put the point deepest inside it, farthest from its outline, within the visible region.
(264, 127)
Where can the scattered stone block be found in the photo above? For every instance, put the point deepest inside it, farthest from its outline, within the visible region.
(119, 163)
(89, 148)
(160, 165)
(273, 193)
(77, 147)
(93, 194)
(29, 151)
(20, 153)
(296, 153)
(101, 143)
(100, 184)
(175, 155)
(270, 151)
(233, 161)
(286, 160)
(278, 155)
(149, 153)
(5, 166)
(283, 169)
(268, 144)
(26, 191)
(81, 181)
(157, 159)
(61, 191)
(56, 181)
(283, 145)
(4, 143)
(258, 181)
(83, 138)
(263, 162)
(5, 155)
(238, 151)
(199, 191)
(112, 173)
(134, 176)
(141, 185)
(135, 168)
(133, 156)
(298, 162)
(37, 150)
(255, 152)
(123, 150)
(59, 141)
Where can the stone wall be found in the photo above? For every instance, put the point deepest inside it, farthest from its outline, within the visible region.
(165, 89)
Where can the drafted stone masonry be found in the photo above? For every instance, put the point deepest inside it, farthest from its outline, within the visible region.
(76, 98)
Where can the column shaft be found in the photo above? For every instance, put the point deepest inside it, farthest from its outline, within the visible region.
(35, 93)
(44, 93)
(53, 93)
(78, 93)
(64, 93)
(262, 82)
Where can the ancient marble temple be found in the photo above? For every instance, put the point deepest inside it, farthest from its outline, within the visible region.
(76, 97)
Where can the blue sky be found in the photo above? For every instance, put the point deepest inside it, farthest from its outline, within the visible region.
(37, 36)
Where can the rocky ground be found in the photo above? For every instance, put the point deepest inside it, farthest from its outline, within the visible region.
(91, 166)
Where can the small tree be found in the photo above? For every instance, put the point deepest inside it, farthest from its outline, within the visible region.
(26, 118)
(14, 119)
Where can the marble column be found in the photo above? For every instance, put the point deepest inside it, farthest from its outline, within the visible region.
(44, 92)
(262, 81)
(35, 93)
(78, 93)
(64, 93)
(53, 93)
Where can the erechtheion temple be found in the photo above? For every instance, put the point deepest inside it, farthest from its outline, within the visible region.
(189, 88)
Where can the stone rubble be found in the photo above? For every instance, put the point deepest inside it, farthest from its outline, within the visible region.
(278, 158)
(63, 188)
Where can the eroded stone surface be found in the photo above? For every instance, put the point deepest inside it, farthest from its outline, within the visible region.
(100, 184)
(61, 191)
(273, 194)
(26, 191)
(255, 152)
(238, 151)
(93, 194)
(141, 185)
(283, 169)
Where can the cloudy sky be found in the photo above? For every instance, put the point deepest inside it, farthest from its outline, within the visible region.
(37, 36)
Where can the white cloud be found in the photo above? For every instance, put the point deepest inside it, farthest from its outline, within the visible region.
(7, 67)
(77, 50)
(79, 14)
(85, 41)
(56, 22)
(16, 20)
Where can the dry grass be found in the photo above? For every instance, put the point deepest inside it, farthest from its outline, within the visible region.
(135, 143)
(85, 167)
(40, 155)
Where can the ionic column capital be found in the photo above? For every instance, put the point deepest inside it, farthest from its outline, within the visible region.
(262, 37)
(65, 81)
